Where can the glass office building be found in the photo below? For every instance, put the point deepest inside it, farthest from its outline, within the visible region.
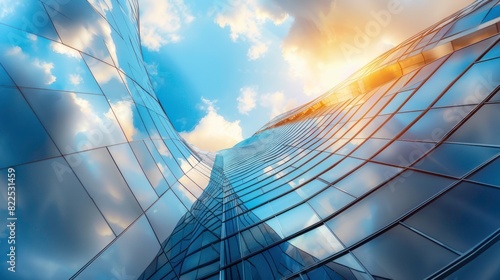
(392, 174)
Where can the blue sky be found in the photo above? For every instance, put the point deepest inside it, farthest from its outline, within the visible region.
(224, 68)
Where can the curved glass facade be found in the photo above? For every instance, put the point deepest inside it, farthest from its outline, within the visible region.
(393, 174)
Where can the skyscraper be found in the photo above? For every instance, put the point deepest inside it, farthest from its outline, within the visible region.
(392, 174)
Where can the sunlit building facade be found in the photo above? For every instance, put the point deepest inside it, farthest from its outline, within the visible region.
(392, 174)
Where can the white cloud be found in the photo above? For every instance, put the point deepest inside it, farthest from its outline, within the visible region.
(103, 6)
(214, 132)
(246, 19)
(38, 71)
(75, 79)
(246, 100)
(161, 21)
(257, 50)
(46, 67)
(32, 37)
(330, 39)
(277, 103)
(62, 49)
(123, 111)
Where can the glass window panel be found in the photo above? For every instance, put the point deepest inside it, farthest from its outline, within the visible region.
(436, 123)
(462, 217)
(164, 164)
(385, 205)
(259, 237)
(306, 190)
(399, 99)
(342, 268)
(447, 73)
(403, 153)
(150, 167)
(56, 218)
(372, 126)
(75, 121)
(263, 211)
(5, 80)
(455, 160)
(393, 255)
(40, 63)
(395, 125)
(19, 144)
(130, 120)
(493, 13)
(297, 218)
(99, 175)
(488, 174)
(183, 194)
(481, 128)
(469, 21)
(81, 35)
(369, 148)
(339, 170)
(127, 257)
(30, 17)
(133, 174)
(319, 243)
(109, 80)
(329, 201)
(474, 86)
(165, 214)
(148, 122)
(494, 52)
(160, 151)
(484, 266)
(285, 201)
(366, 178)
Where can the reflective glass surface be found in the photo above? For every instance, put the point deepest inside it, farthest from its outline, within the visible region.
(54, 214)
(385, 205)
(398, 250)
(460, 218)
(20, 145)
(481, 128)
(105, 184)
(76, 122)
(392, 172)
(133, 175)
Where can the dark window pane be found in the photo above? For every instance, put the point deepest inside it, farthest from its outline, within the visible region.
(474, 86)
(18, 144)
(448, 72)
(385, 205)
(488, 174)
(402, 254)
(403, 153)
(484, 266)
(481, 128)
(462, 217)
(329, 201)
(455, 160)
(366, 178)
(395, 125)
(436, 123)
(58, 223)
